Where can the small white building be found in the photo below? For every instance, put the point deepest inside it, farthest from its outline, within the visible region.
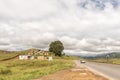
(50, 58)
(26, 57)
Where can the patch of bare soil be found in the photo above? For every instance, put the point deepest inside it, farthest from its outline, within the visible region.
(73, 74)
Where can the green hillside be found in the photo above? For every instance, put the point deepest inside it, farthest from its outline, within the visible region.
(7, 54)
(11, 54)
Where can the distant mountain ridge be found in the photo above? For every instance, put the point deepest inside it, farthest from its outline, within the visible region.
(105, 55)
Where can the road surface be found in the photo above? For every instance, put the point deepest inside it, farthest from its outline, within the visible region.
(110, 70)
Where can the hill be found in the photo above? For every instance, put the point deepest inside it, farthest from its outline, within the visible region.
(112, 58)
(4, 55)
(104, 55)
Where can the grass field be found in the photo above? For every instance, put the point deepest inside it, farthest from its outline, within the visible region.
(30, 69)
(67, 57)
(6, 55)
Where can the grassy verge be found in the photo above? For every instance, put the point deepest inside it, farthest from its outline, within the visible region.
(110, 61)
(67, 57)
(30, 69)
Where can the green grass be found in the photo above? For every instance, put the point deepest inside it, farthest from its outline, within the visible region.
(67, 57)
(7, 55)
(31, 69)
(110, 60)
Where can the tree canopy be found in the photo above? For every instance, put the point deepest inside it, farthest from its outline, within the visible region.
(56, 47)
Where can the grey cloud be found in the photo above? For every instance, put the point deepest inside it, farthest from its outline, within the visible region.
(4, 42)
(36, 23)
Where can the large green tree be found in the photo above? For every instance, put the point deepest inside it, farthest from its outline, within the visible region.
(56, 47)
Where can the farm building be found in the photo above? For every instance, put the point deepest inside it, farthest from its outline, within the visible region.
(26, 57)
(38, 54)
(42, 55)
(41, 52)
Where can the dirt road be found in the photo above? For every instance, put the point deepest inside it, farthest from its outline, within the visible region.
(77, 73)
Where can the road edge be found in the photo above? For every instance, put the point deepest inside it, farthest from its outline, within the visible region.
(99, 73)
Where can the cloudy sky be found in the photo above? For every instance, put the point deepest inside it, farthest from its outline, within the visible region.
(84, 26)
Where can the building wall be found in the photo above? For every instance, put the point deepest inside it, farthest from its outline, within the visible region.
(25, 57)
(41, 58)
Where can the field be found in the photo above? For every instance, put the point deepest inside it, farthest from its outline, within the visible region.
(31, 69)
(6, 55)
(67, 57)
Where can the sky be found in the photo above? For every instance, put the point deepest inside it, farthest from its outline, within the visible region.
(83, 26)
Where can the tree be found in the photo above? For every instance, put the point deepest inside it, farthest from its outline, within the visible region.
(56, 47)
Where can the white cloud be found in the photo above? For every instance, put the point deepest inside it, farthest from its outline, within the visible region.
(36, 23)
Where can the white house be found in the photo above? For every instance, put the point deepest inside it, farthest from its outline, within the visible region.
(26, 57)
